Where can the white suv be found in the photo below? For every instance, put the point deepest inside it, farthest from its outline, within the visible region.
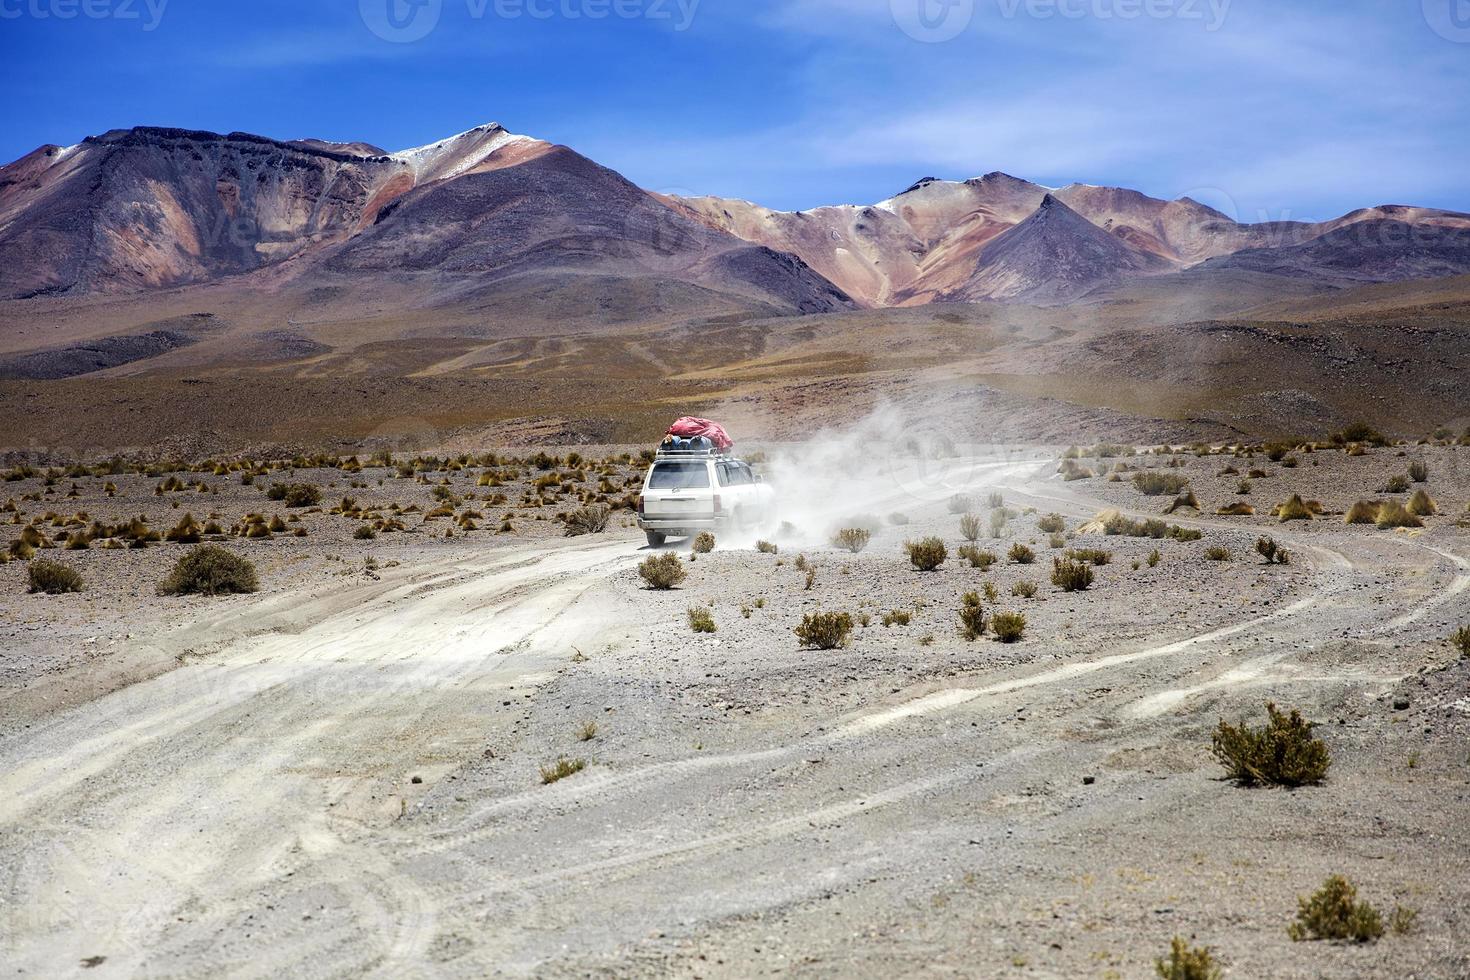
(688, 491)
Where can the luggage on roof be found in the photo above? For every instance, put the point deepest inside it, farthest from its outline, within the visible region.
(711, 435)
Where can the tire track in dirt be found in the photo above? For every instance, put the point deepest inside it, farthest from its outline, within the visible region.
(283, 682)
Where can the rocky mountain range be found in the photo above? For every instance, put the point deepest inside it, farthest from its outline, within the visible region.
(491, 217)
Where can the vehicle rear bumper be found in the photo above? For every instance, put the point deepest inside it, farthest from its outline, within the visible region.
(681, 525)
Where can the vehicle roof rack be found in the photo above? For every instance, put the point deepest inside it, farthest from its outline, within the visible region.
(695, 453)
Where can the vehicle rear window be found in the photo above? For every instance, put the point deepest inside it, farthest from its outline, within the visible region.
(679, 476)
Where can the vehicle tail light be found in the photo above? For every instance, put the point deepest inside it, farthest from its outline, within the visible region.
(640, 505)
(718, 505)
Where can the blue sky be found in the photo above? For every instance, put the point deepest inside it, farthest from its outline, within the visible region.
(1263, 108)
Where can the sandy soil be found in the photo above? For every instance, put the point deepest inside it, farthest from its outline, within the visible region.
(341, 775)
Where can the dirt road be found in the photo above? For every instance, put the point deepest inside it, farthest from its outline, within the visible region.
(346, 785)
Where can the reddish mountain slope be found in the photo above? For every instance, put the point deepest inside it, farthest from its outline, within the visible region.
(1054, 256)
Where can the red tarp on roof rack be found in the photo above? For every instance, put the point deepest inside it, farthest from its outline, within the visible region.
(689, 426)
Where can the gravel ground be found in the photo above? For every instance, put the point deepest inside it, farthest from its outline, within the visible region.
(346, 776)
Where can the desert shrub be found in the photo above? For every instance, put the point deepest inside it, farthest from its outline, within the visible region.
(1419, 472)
(898, 518)
(1243, 488)
(561, 769)
(1183, 501)
(53, 577)
(210, 570)
(1283, 753)
(1360, 432)
(897, 617)
(1364, 512)
(1025, 589)
(295, 495)
(1397, 483)
(825, 630)
(926, 554)
(1391, 513)
(1294, 509)
(1073, 470)
(1021, 554)
(187, 531)
(1217, 553)
(1008, 626)
(591, 519)
(961, 503)
(1422, 505)
(1152, 483)
(811, 578)
(766, 548)
(1334, 912)
(1187, 963)
(1070, 576)
(1460, 639)
(365, 533)
(871, 523)
(853, 539)
(701, 620)
(970, 527)
(976, 556)
(973, 619)
(1403, 921)
(663, 571)
(1274, 554)
(1051, 524)
(1154, 557)
(704, 543)
(1093, 556)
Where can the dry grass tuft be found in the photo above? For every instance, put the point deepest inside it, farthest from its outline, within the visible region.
(52, 577)
(704, 543)
(1364, 512)
(561, 769)
(1152, 483)
(1392, 514)
(1422, 505)
(853, 539)
(1294, 509)
(591, 519)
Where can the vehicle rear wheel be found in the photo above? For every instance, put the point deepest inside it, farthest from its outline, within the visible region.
(656, 539)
